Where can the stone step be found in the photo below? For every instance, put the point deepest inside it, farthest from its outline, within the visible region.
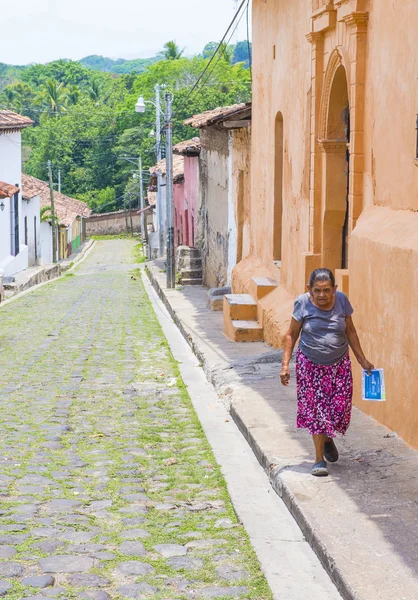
(191, 263)
(191, 273)
(261, 286)
(186, 252)
(240, 307)
(192, 281)
(247, 331)
(215, 298)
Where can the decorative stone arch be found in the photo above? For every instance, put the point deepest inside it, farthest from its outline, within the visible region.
(334, 144)
(337, 59)
(338, 40)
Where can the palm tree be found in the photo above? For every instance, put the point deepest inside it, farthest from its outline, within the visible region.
(95, 90)
(172, 51)
(44, 213)
(56, 96)
(73, 94)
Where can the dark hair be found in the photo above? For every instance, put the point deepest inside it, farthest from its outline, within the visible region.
(321, 275)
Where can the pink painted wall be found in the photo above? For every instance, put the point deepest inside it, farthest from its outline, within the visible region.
(191, 192)
(179, 219)
(185, 204)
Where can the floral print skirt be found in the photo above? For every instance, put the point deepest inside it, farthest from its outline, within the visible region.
(324, 395)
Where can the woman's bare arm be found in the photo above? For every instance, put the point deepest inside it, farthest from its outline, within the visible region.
(354, 343)
(290, 340)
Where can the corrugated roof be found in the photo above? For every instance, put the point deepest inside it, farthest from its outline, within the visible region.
(218, 115)
(178, 168)
(7, 190)
(188, 148)
(66, 208)
(10, 121)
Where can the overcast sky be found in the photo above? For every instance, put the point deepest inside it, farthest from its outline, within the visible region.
(44, 30)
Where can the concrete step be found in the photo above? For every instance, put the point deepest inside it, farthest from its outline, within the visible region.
(191, 273)
(247, 331)
(196, 281)
(261, 286)
(240, 318)
(240, 306)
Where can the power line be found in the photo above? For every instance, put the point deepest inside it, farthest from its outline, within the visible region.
(216, 51)
(250, 58)
(191, 95)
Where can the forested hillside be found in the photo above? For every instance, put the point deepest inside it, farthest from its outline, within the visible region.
(85, 120)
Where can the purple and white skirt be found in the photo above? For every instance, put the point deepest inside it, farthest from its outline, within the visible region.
(324, 394)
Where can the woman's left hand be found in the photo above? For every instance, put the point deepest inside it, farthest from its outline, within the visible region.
(367, 366)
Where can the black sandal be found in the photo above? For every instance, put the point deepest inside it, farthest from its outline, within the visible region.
(331, 451)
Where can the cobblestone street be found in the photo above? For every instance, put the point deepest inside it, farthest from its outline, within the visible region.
(108, 486)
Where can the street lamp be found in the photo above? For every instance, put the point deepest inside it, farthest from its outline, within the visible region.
(140, 105)
(168, 124)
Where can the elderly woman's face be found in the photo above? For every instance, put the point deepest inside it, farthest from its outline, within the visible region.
(322, 292)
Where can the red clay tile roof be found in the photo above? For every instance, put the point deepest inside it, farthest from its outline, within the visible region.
(178, 168)
(188, 148)
(66, 208)
(7, 190)
(10, 121)
(218, 115)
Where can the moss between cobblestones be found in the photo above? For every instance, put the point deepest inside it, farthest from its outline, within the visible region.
(102, 350)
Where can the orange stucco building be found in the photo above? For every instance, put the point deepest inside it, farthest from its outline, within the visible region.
(335, 176)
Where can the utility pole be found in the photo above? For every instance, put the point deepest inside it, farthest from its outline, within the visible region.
(171, 267)
(59, 181)
(141, 202)
(160, 208)
(54, 229)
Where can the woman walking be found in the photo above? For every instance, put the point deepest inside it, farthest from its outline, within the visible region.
(323, 367)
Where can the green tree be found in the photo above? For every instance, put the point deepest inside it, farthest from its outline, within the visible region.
(172, 51)
(209, 49)
(56, 96)
(227, 52)
(241, 53)
(73, 94)
(95, 90)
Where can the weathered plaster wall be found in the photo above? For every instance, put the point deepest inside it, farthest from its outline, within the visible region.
(214, 205)
(383, 250)
(179, 216)
(113, 223)
(191, 194)
(281, 83)
(383, 261)
(241, 193)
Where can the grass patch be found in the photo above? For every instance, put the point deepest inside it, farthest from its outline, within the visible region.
(138, 253)
(119, 236)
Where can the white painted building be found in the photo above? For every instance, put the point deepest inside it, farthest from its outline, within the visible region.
(31, 228)
(14, 253)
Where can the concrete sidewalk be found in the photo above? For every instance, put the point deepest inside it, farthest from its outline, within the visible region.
(361, 520)
(34, 276)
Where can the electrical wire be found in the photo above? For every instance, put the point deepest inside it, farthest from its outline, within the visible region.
(250, 58)
(191, 96)
(216, 52)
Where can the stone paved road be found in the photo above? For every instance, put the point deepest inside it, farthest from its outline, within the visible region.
(108, 487)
